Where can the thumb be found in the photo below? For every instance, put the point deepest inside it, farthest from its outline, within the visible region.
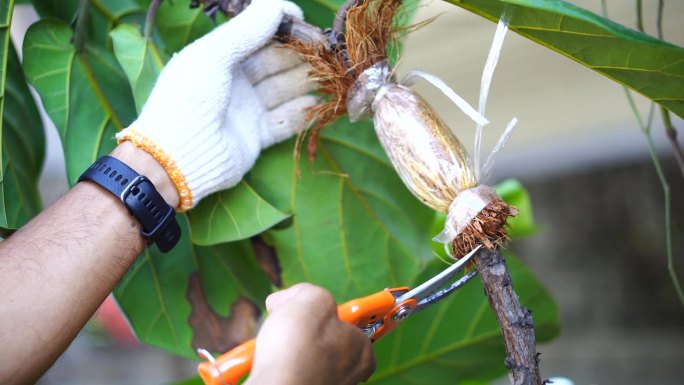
(302, 292)
(279, 298)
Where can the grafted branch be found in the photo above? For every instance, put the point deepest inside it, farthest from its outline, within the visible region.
(515, 320)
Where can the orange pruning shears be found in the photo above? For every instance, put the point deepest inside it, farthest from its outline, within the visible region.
(376, 315)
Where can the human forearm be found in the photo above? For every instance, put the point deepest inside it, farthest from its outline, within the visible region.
(57, 269)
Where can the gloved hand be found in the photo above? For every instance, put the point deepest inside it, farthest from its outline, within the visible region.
(221, 100)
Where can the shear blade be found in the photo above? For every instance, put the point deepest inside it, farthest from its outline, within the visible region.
(435, 288)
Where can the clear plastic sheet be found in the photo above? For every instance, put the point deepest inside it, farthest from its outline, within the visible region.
(365, 89)
(426, 154)
(464, 209)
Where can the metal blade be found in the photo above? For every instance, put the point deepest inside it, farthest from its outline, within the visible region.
(444, 293)
(438, 282)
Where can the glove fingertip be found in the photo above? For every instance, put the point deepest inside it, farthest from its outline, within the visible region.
(293, 10)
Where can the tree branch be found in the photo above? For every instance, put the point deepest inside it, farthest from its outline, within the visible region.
(81, 29)
(515, 320)
(149, 18)
(672, 136)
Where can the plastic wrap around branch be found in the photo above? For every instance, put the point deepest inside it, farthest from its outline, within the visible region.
(428, 157)
(362, 94)
(463, 210)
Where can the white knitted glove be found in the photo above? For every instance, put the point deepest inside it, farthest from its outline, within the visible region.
(221, 100)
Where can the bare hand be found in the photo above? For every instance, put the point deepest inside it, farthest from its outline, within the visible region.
(304, 342)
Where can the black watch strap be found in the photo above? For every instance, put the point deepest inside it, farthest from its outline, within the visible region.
(138, 194)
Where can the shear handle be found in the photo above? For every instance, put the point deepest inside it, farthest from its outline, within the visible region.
(368, 309)
(230, 367)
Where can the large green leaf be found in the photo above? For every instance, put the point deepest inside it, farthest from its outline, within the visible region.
(140, 58)
(86, 94)
(178, 25)
(355, 226)
(459, 338)
(103, 15)
(6, 9)
(154, 294)
(21, 135)
(231, 215)
(320, 12)
(23, 149)
(647, 65)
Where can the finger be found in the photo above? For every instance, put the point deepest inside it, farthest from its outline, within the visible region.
(303, 293)
(286, 120)
(362, 349)
(285, 86)
(368, 362)
(277, 299)
(268, 61)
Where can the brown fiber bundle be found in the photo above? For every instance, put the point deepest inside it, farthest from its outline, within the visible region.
(369, 31)
(487, 229)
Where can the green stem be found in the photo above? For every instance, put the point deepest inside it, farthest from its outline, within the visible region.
(81, 31)
(646, 129)
(669, 128)
(659, 18)
(640, 17)
(672, 136)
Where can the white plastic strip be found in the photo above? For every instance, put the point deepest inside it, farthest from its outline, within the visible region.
(412, 76)
(489, 163)
(487, 75)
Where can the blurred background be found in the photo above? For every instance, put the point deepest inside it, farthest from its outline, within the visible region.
(596, 196)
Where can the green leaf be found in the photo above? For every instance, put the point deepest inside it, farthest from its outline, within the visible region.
(190, 381)
(23, 149)
(6, 9)
(513, 192)
(22, 141)
(355, 228)
(178, 25)
(231, 215)
(140, 58)
(103, 15)
(154, 293)
(86, 94)
(459, 338)
(645, 64)
(320, 12)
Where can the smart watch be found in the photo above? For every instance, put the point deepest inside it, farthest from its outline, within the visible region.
(141, 198)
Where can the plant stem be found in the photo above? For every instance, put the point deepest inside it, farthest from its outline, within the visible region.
(672, 136)
(341, 17)
(149, 18)
(81, 30)
(639, 16)
(659, 18)
(646, 129)
(515, 320)
(668, 220)
(669, 128)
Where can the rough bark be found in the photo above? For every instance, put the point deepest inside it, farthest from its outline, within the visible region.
(515, 320)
